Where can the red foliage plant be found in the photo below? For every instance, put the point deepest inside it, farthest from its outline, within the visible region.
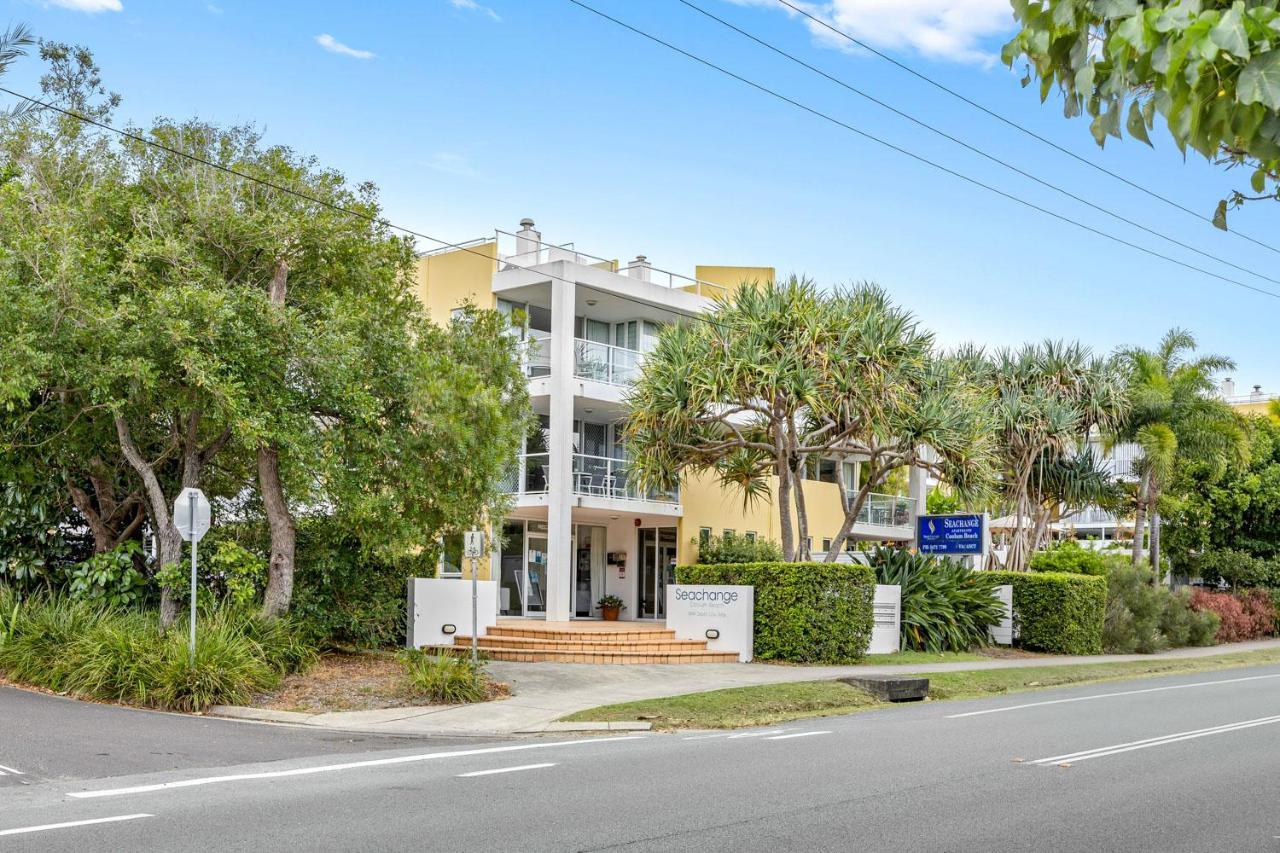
(1246, 615)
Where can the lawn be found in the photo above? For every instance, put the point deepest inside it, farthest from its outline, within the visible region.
(765, 704)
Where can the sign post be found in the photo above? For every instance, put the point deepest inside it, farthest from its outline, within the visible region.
(473, 548)
(191, 515)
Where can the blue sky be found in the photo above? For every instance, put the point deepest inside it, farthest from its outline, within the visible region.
(470, 116)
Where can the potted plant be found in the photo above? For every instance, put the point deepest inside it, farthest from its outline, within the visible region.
(610, 606)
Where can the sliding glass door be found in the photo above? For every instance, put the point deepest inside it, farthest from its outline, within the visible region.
(657, 548)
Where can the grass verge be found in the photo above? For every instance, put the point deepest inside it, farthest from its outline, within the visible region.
(765, 704)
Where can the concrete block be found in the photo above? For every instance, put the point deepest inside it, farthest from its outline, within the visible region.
(891, 688)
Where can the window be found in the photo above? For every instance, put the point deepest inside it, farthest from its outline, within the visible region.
(728, 534)
(450, 565)
(827, 470)
(751, 535)
(704, 535)
(826, 545)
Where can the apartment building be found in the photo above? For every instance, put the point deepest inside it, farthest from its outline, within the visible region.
(578, 528)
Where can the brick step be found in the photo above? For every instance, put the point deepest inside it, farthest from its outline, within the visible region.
(585, 643)
(613, 657)
(543, 633)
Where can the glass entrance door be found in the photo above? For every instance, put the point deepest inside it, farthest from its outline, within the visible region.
(588, 568)
(522, 566)
(657, 546)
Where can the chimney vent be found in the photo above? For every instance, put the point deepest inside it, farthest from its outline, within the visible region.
(1228, 387)
(528, 242)
(639, 268)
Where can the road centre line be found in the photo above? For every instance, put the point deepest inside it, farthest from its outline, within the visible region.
(331, 768)
(504, 770)
(1114, 749)
(10, 770)
(757, 734)
(796, 734)
(23, 830)
(1109, 695)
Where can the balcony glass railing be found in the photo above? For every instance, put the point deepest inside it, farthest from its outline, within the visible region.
(537, 356)
(885, 510)
(600, 476)
(607, 478)
(605, 363)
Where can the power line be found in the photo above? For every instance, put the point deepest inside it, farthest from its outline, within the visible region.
(442, 244)
(1015, 125)
(914, 156)
(970, 147)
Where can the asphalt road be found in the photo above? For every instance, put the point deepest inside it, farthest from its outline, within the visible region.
(1185, 763)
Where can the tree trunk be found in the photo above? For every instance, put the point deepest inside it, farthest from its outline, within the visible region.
(167, 536)
(1139, 521)
(1155, 546)
(804, 550)
(784, 496)
(284, 534)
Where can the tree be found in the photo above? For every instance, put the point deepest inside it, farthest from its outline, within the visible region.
(1175, 418)
(1065, 484)
(232, 333)
(779, 374)
(1045, 400)
(1210, 68)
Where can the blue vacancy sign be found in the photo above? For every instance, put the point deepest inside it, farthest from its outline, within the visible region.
(950, 535)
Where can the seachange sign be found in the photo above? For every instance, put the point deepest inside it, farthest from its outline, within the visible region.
(951, 535)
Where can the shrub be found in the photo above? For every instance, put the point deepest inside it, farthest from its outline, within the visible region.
(1144, 618)
(443, 679)
(1057, 612)
(945, 605)
(87, 649)
(111, 577)
(1246, 615)
(719, 550)
(1068, 556)
(1237, 569)
(804, 612)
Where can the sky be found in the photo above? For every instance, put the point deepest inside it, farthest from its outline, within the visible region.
(471, 115)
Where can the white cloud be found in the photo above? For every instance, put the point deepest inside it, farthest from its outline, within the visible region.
(90, 6)
(451, 163)
(332, 45)
(473, 6)
(939, 29)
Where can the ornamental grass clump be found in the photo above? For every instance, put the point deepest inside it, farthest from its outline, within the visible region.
(443, 679)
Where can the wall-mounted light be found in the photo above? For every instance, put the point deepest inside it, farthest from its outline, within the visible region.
(448, 629)
(713, 633)
(591, 303)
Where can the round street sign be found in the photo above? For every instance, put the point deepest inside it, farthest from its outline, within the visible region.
(191, 517)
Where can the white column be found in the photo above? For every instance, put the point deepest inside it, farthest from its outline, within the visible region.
(918, 491)
(560, 499)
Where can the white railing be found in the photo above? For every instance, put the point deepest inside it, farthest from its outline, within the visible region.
(536, 356)
(549, 253)
(605, 477)
(605, 362)
(886, 510)
(1090, 515)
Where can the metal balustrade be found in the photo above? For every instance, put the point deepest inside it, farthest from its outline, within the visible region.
(605, 362)
(600, 476)
(886, 510)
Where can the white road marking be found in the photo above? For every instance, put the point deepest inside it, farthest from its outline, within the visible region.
(757, 734)
(4, 769)
(1109, 695)
(25, 829)
(706, 737)
(505, 770)
(1114, 749)
(331, 768)
(797, 734)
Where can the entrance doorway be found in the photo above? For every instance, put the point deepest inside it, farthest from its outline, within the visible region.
(588, 568)
(657, 547)
(522, 561)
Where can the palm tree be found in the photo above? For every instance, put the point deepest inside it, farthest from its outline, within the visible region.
(1174, 417)
(13, 45)
(1046, 399)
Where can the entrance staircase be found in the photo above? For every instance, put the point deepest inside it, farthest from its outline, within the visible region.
(588, 642)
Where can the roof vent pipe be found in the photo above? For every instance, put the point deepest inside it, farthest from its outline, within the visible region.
(639, 268)
(1228, 387)
(528, 241)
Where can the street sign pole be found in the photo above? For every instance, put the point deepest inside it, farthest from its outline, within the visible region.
(191, 655)
(473, 550)
(475, 622)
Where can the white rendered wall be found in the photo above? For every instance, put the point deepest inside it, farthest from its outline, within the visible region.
(436, 602)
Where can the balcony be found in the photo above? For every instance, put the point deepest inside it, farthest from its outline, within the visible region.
(885, 510)
(605, 477)
(593, 476)
(605, 363)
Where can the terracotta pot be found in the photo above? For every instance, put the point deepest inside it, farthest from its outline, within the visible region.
(610, 614)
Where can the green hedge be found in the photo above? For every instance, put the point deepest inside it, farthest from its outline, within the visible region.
(804, 612)
(1058, 612)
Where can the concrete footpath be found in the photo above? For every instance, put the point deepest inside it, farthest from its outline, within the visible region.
(544, 692)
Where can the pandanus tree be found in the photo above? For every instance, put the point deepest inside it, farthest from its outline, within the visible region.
(1175, 418)
(778, 374)
(1045, 399)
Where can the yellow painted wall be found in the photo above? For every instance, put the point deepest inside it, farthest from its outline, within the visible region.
(1262, 407)
(708, 504)
(448, 279)
(731, 278)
